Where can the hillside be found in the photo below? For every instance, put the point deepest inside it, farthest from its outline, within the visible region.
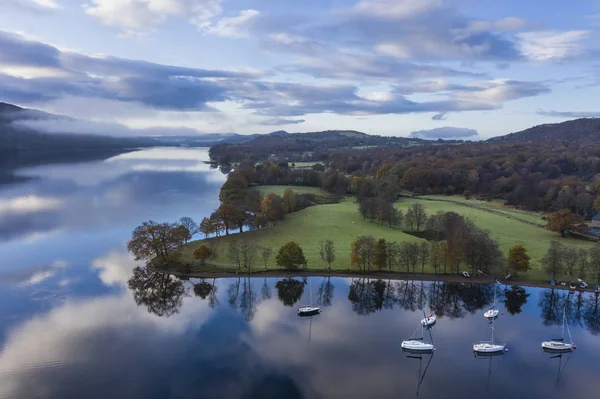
(578, 130)
(306, 146)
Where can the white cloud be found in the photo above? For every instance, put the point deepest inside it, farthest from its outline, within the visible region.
(28, 204)
(115, 268)
(237, 27)
(552, 45)
(44, 274)
(395, 9)
(46, 3)
(140, 15)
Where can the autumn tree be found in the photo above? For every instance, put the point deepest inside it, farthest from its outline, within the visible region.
(327, 252)
(564, 221)
(190, 225)
(154, 240)
(518, 260)
(207, 227)
(266, 253)
(415, 217)
(552, 261)
(290, 256)
(203, 253)
(289, 200)
(234, 189)
(272, 207)
(362, 252)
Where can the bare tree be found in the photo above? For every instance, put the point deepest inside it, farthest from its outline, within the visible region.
(234, 253)
(247, 254)
(266, 255)
(327, 252)
(424, 251)
(391, 254)
(416, 217)
(553, 259)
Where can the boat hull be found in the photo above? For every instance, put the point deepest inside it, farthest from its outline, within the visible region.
(488, 348)
(554, 346)
(308, 311)
(429, 321)
(417, 346)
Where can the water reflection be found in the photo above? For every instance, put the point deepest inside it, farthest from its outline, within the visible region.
(160, 293)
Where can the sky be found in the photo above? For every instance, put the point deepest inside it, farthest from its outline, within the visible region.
(422, 68)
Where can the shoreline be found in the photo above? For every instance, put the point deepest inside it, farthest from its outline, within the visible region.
(383, 275)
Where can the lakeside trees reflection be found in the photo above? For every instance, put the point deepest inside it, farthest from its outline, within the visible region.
(163, 295)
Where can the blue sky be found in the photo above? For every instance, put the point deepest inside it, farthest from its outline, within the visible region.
(441, 68)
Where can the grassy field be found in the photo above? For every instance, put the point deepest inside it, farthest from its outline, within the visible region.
(339, 222)
(505, 230)
(342, 223)
(297, 189)
(495, 205)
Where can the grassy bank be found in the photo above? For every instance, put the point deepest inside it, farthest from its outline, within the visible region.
(342, 223)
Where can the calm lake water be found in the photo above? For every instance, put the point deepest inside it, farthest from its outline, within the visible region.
(70, 327)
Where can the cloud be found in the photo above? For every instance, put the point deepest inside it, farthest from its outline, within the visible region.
(28, 204)
(446, 133)
(237, 27)
(42, 275)
(34, 6)
(133, 16)
(281, 121)
(32, 276)
(552, 45)
(569, 114)
(115, 268)
(439, 117)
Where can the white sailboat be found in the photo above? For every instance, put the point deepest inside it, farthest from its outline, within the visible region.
(489, 347)
(559, 344)
(492, 312)
(429, 320)
(309, 310)
(417, 344)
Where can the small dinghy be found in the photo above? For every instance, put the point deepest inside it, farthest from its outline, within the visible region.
(559, 344)
(429, 320)
(417, 344)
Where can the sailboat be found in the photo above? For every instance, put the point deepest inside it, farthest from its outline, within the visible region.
(417, 344)
(489, 347)
(559, 344)
(309, 310)
(492, 312)
(429, 320)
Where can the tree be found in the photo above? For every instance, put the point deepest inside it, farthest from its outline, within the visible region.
(380, 255)
(289, 291)
(203, 289)
(190, 226)
(518, 260)
(552, 261)
(438, 255)
(234, 189)
(290, 256)
(247, 253)
(582, 262)
(289, 199)
(203, 253)
(154, 240)
(415, 217)
(391, 254)
(207, 227)
(266, 255)
(564, 221)
(362, 251)
(594, 266)
(409, 255)
(570, 262)
(234, 253)
(272, 207)
(327, 252)
(597, 203)
(424, 252)
(180, 234)
(467, 194)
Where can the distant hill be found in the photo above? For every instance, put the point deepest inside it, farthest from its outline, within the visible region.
(306, 146)
(578, 130)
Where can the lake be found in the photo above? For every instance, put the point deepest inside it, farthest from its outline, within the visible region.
(79, 318)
